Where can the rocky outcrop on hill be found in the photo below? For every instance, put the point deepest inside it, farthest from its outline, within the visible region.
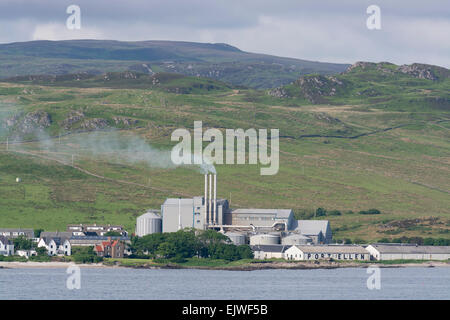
(315, 88)
(94, 124)
(73, 118)
(416, 70)
(124, 121)
(421, 71)
(278, 93)
(28, 123)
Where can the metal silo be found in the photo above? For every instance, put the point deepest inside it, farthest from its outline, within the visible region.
(264, 239)
(295, 239)
(148, 223)
(236, 238)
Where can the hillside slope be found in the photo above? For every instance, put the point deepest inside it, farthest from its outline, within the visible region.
(217, 61)
(95, 152)
(381, 85)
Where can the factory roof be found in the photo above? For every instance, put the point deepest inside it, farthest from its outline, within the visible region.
(188, 201)
(312, 227)
(270, 247)
(57, 234)
(297, 236)
(332, 249)
(280, 213)
(409, 248)
(175, 201)
(150, 215)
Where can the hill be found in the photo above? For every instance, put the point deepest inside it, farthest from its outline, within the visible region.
(381, 85)
(95, 152)
(217, 61)
(170, 82)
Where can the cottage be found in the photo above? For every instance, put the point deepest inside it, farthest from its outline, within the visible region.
(56, 246)
(391, 251)
(110, 249)
(15, 233)
(6, 246)
(337, 252)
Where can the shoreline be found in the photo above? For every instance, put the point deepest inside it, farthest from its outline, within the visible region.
(301, 265)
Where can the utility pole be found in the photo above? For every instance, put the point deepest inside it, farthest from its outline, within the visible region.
(7, 143)
(72, 159)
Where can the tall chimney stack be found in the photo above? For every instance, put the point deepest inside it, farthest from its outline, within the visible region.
(206, 198)
(179, 214)
(210, 196)
(215, 200)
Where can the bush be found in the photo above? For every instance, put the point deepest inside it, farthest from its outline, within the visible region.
(334, 213)
(321, 212)
(370, 211)
(85, 255)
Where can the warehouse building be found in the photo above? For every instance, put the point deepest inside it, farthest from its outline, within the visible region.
(388, 251)
(337, 252)
(319, 231)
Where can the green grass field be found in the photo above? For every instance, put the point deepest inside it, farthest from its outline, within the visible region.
(401, 166)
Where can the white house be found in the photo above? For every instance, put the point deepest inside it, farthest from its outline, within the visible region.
(26, 253)
(337, 252)
(6, 246)
(391, 251)
(56, 246)
(269, 251)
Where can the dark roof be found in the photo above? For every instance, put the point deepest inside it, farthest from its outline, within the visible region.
(5, 240)
(271, 247)
(58, 240)
(410, 248)
(105, 238)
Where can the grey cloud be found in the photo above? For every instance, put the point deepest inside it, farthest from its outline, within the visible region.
(327, 30)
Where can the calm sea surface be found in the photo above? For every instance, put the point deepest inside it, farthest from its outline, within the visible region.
(121, 283)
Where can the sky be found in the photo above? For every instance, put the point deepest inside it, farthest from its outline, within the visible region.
(320, 30)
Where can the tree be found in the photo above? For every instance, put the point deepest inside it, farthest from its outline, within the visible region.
(334, 213)
(245, 252)
(37, 232)
(41, 251)
(321, 212)
(22, 243)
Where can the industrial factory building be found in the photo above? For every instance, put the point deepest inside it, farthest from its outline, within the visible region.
(259, 226)
(319, 231)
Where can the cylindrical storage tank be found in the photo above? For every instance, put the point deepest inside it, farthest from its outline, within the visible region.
(295, 239)
(148, 223)
(264, 239)
(236, 238)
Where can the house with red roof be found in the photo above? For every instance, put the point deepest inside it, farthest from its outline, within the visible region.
(110, 249)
